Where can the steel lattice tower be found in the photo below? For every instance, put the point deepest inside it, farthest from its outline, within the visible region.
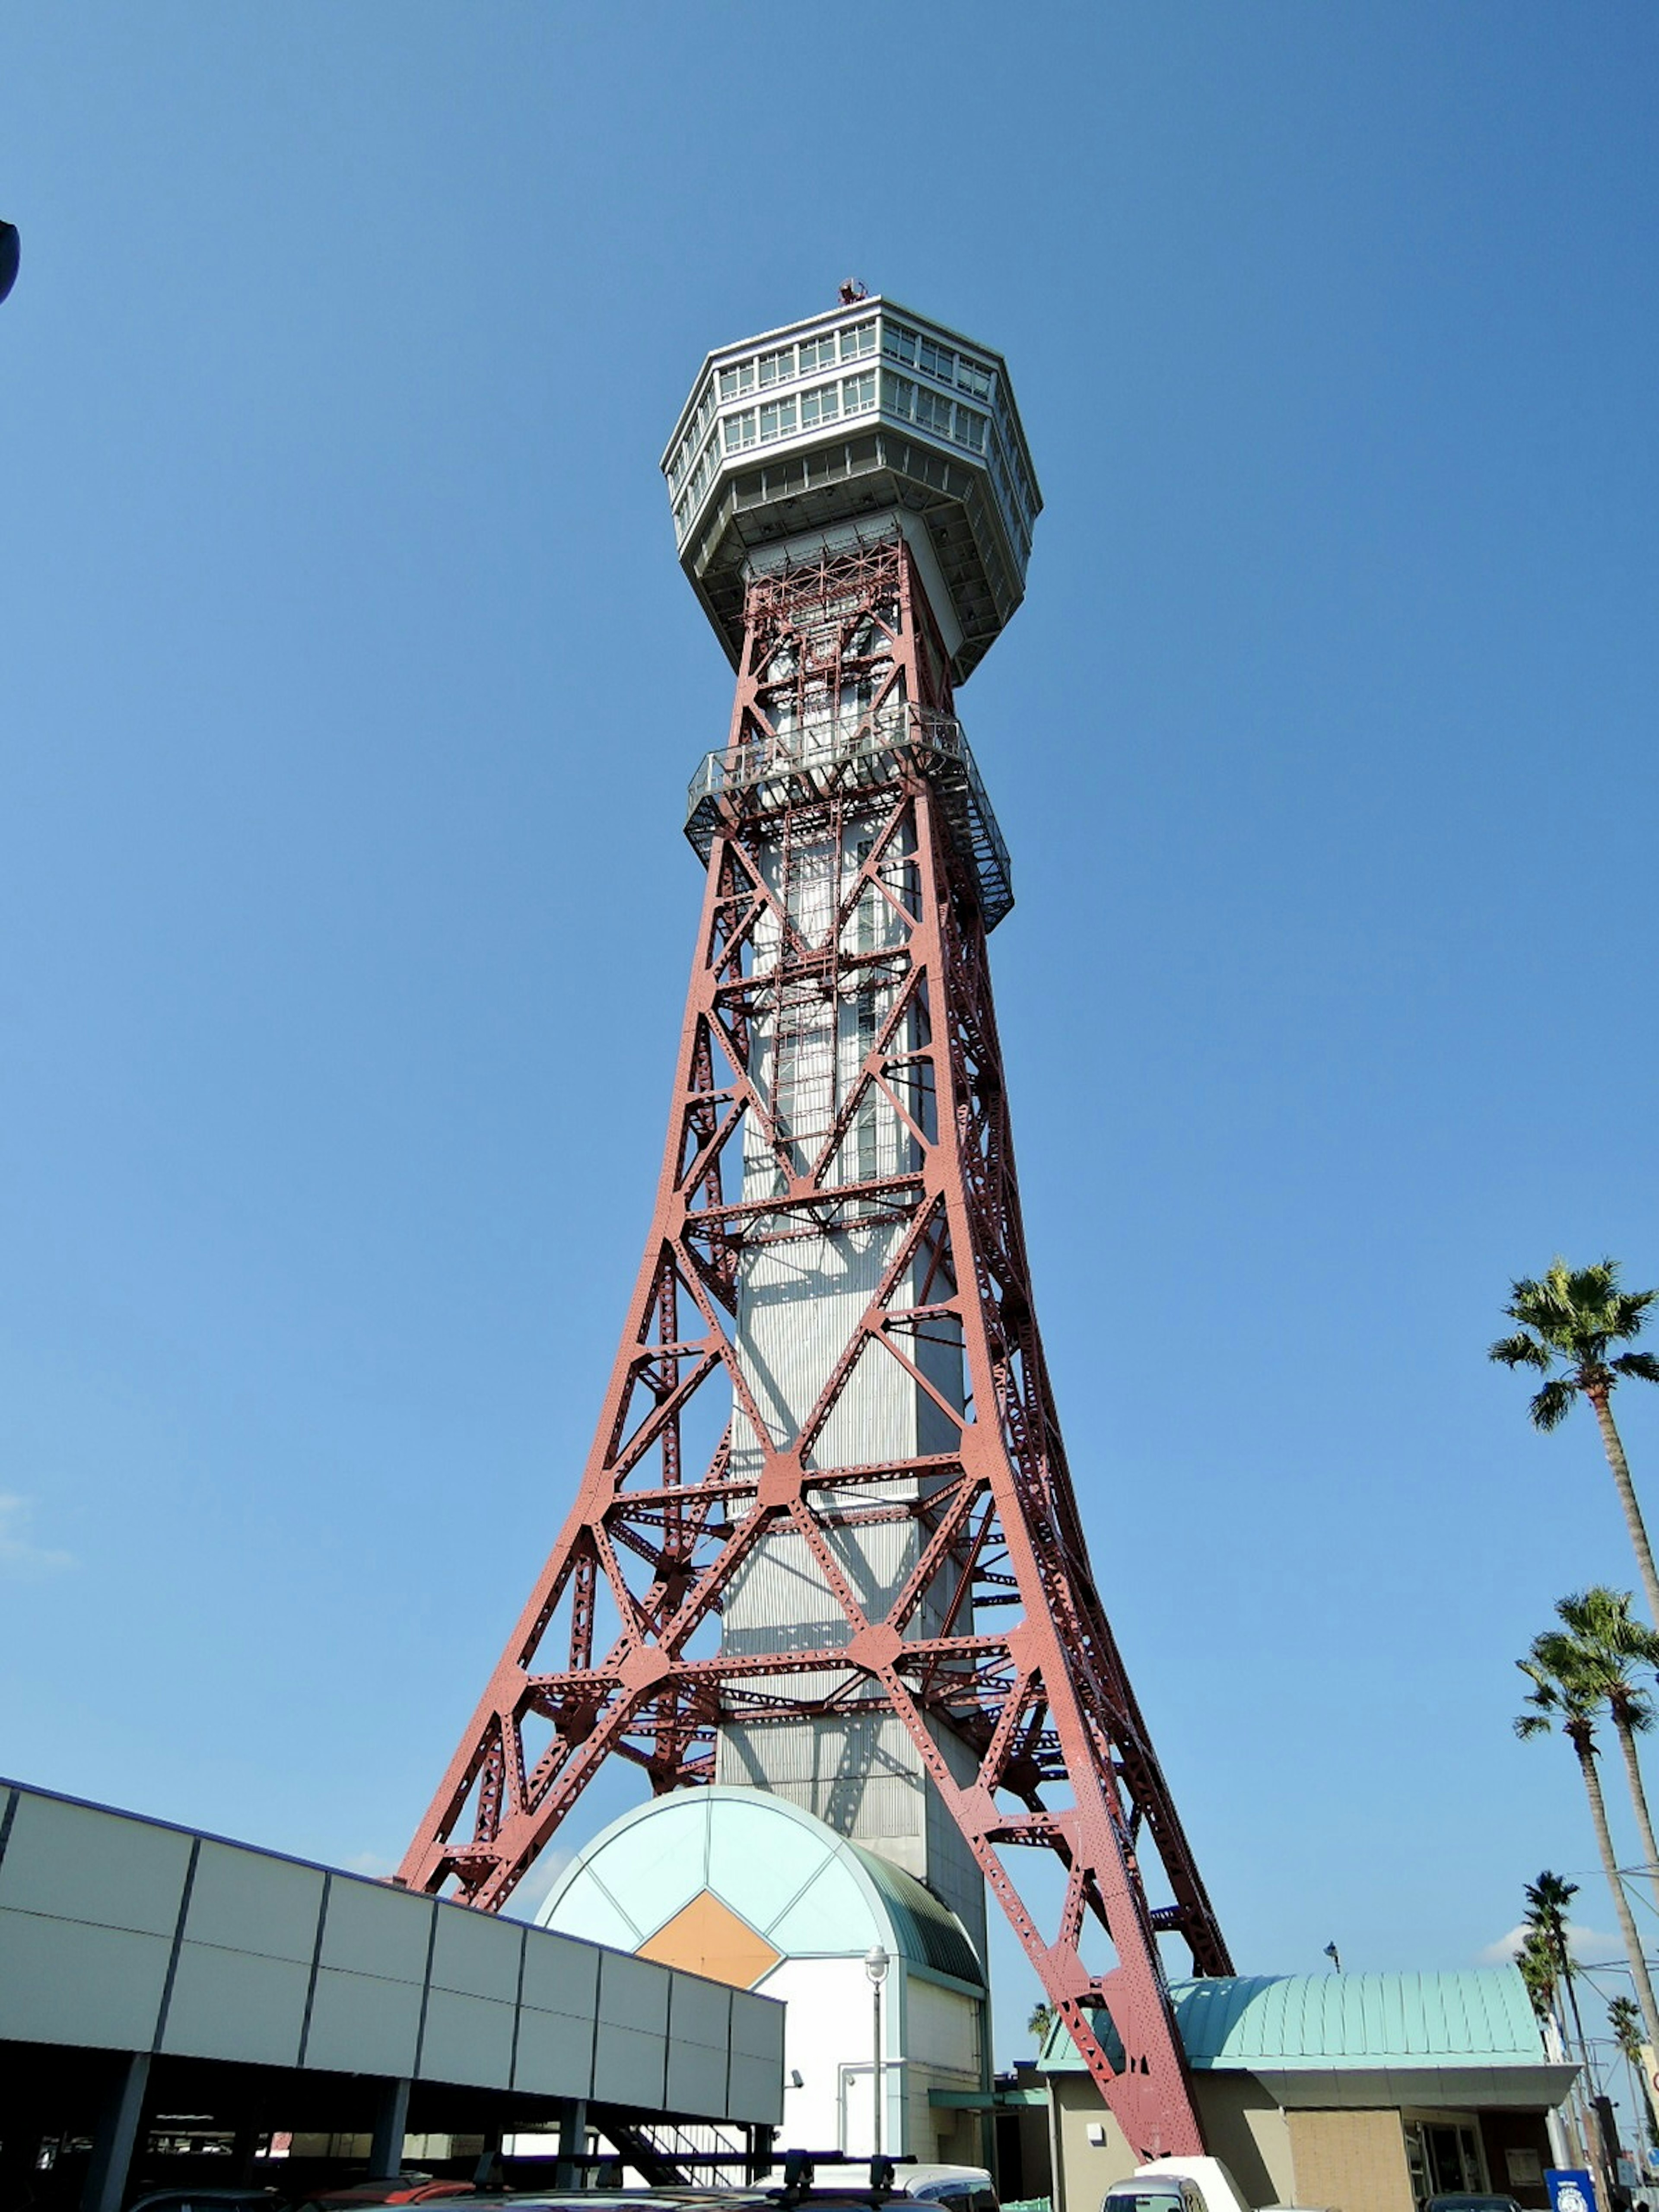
(826, 1540)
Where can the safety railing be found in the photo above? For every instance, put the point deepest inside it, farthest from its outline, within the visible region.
(822, 760)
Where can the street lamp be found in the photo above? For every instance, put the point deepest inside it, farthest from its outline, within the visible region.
(876, 1963)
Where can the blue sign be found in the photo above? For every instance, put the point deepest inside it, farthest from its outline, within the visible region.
(1570, 2188)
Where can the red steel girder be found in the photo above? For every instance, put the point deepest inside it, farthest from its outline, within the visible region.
(654, 1537)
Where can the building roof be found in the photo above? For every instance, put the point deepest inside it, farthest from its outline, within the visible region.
(928, 1933)
(119, 1933)
(1287, 2023)
(805, 1891)
(865, 410)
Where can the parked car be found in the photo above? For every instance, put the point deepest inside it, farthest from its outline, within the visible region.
(1183, 2184)
(391, 2189)
(963, 2188)
(536, 2199)
(206, 2200)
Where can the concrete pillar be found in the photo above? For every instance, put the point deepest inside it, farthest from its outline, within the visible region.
(242, 2151)
(116, 2137)
(487, 2173)
(761, 2159)
(572, 2144)
(385, 2153)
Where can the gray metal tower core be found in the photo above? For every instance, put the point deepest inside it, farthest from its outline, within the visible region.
(843, 431)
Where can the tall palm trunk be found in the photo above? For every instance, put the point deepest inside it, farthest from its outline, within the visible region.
(1638, 1965)
(1613, 1444)
(1639, 1798)
(1571, 2115)
(1583, 2123)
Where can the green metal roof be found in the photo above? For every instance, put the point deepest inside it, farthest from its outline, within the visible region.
(1480, 2016)
(928, 1932)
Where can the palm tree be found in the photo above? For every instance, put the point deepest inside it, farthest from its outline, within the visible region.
(1549, 1900)
(1545, 1967)
(1626, 2022)
(1562, 1698)
(1608, 1646)
(1536, 1959)
(1040, 2021)
(1569, 1320)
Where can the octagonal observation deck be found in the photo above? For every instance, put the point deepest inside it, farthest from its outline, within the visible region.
(870, 410)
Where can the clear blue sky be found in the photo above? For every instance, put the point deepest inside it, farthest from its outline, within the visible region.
(349, 694)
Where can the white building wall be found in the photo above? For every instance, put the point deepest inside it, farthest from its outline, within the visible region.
(930, 2040)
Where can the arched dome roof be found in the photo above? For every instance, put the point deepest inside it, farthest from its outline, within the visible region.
(799, 1889)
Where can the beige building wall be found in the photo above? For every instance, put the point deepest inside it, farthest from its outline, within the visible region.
(1343, 2161)
(1351, 2162)
(1251, 2137)
(1083, 2172)
(1242, 2126)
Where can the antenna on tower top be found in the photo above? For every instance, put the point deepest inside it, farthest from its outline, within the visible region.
(852, 289)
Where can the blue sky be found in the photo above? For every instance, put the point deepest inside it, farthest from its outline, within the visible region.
(350, 691)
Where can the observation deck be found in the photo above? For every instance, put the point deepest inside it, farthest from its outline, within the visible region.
(870, 409)
(762, 778)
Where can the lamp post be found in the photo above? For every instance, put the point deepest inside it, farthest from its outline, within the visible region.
(876, 1964)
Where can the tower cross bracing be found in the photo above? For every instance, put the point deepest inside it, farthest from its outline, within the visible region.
(826, 1540)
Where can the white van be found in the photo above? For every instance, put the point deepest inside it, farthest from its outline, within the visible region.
(963, 2188)
(1179, 2184)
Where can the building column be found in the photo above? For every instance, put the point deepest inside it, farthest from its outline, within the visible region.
(573, 2144)
(761, 2159)
(116, 2137)
(242, 2151)
(487, 2172)
(385, 2153)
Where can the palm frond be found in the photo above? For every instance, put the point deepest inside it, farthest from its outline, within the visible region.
(1591, 1290)
(1645, 1365)
(1550, 1406)
(1539, 1305)
(1576, 1313)
(1544, 1701)
(1520, 1350)
(1551, 1892)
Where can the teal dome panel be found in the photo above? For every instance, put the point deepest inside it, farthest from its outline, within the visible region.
(809, 1891)
(760, 1865)
(834, 1914)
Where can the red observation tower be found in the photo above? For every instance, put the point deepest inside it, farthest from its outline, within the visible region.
(826, 1543)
